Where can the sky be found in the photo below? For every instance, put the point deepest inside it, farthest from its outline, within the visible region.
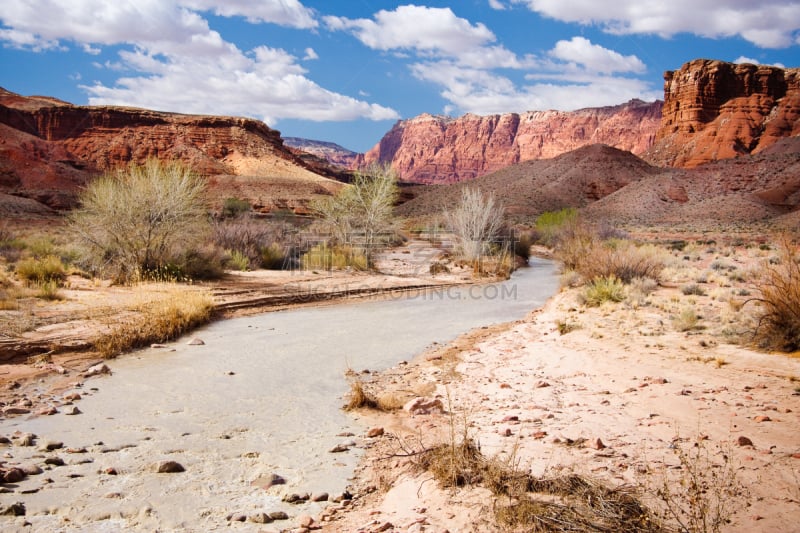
(346, 71)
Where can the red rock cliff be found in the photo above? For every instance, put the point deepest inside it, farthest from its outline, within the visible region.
(49, 148)
(716, 110)
(437, 149)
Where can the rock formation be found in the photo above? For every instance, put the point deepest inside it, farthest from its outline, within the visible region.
(716, 110)
(49, 148)
(439, 149)
(331, 152)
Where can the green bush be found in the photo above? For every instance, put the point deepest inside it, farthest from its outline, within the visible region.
(234, 207)
(551, 225)
(603, 289)
(39, 271)
(238, 261)
(273, 257)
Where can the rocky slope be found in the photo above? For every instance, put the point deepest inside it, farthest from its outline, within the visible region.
(438, 149)
(49, 149)
(716, 110)
(617, 187)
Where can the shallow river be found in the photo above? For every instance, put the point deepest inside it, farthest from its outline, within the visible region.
(262, 396)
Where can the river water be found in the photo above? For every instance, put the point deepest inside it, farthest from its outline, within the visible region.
(262, 396)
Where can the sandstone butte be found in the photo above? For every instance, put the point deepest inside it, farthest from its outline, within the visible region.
(50, 148)
(716, 110)
(441, 149)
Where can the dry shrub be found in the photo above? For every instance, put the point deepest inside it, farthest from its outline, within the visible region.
(778, 285)
(454, 464)
(686, 320)
(38, 271)
(623, 259)
(359, 397)
(705, 497)
(325, 257)
(263, 242)
(161, 319)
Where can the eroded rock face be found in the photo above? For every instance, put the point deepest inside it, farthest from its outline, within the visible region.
(49, 148)
(439, 149)
(716, 110)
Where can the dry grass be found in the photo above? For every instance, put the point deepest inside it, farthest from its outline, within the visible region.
(38, 271)
(359, 397)
(159, 318)
(603, 289)
(778, 286)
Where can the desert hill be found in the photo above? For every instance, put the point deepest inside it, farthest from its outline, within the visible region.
(617, 186)
(50, 148)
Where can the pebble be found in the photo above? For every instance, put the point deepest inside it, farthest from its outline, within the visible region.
(47, 411)
(278, 515)
(321, 497)
(762, 418)
(195, 342)
(541, 384)
(268, 481)
(375, 432)
(72, 397)
(51, 445)
(31, 469)
(339, 448)
(260, 518)
(54, 461)
(13, 410)
(169, 467)
(13, 475)
(744, 441)
(305, 521)
(72, 410)
(598, 444)
(95, 370)
(15, 509)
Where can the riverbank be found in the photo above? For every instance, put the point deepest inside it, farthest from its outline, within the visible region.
(641, 393)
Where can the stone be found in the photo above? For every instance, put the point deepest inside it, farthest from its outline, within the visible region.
(762, 418)
(31, 469)
(268, 481)
(54, 461)
(12, 475)
(27, 439)
(72, 410)
(47, 411)
(320, 497)
(598, 444)
(73, 397)
(541, 384)
(375, 432)
(339, 448)
(305, 521)
(260, 518)
(196, 342)
(169, 467)
(278, 515)
(744, 441)
(15, 410)
(51, 445)
(423, 406)
(15, 509)
(96, 370)
(111, 471)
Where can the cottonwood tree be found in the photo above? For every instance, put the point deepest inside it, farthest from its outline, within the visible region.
(361, 213)
(136, 220)
(476, 221)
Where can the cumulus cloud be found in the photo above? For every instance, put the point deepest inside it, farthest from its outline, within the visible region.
(419, 28)
(595, 58)
(742, 59)
(311, 54)
(766, 23)
(176, 62)
(465, 60)
(497, 4)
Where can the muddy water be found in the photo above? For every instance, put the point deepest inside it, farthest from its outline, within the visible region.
(262, 396)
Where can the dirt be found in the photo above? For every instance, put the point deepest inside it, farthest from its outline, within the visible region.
(615, 393)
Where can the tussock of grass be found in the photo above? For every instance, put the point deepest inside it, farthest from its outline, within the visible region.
(360, 398)
(38, 271)
(324, 257)
(779, 295)
(603, 289)
(157, 320)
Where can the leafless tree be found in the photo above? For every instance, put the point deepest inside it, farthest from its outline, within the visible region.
(475, 222)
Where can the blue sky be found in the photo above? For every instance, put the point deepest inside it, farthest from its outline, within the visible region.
(345, 71)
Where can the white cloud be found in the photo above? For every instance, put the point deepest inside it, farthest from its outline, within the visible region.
(284, 12)
(311, 54)
(742, 59)
(463, 59)
(594, 57)
(178, 63)
(765, 23)
(424, 29)
(497, 4)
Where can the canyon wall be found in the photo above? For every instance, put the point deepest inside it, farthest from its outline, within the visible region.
(716, 110)
(439, 149)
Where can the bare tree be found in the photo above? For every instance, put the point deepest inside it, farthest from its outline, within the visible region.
(135, 220)
(475, 222)
(361, 214)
